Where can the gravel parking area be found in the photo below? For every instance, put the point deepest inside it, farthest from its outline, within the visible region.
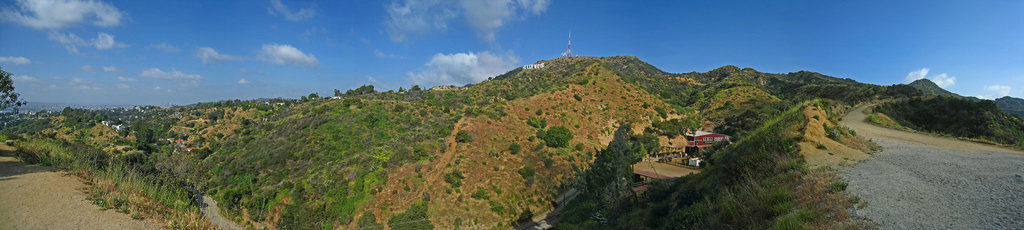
(925, 182)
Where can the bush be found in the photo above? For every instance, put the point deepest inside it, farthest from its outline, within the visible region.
(557, 136)
(514, 148)
(462, 137)
(536, 122)
(527, 173)
(369, 221)
(412, 219)
(454, 178)
(480, 194)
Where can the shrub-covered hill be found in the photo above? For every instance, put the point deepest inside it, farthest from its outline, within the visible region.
(981, 120)
(929, 88)
(760, 182)
(1011, 105)
(480, 155)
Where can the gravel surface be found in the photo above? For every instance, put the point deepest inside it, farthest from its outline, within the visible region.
(926, 182)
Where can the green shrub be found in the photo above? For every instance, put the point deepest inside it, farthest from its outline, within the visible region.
(514, 148)
(536, 122)
(527, 173)
(462, 136)
(412, 219)
(454, 178)
(480, 194)
(557, 136)
(369, 221)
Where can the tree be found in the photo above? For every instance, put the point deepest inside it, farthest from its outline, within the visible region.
(8, 98)
(556, 137)
(337, 93)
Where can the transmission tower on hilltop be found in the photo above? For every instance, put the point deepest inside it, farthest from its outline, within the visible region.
(568, 53)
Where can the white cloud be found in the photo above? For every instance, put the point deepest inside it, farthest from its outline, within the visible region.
(417, 17)
(942, 80)
(287, 54)
(15, 60)
(999, 90)
(76, 80)
(25, 79)
(211, 56)
(167, 48)
(56, 14)
(156, 88)
(110, 69)
(105, 41)
(386, 56)
(123, 86)
(71, 42)
(243, 81)
(87, 69)
(915, 75)
(278, 8)
(125, 79)
(461, 68)
(173, 75)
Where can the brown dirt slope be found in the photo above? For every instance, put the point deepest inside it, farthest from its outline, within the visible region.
(39, 197)
(488, 166)
(834, 153)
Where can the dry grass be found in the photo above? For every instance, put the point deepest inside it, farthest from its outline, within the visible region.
(848, 150)
(110, 194)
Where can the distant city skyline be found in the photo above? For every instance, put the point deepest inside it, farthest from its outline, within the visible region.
(184, 52)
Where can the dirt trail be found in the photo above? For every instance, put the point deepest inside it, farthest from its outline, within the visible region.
(39, 197)
(920, 181)
(212, 212)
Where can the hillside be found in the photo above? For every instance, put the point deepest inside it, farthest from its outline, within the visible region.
(483, 155)
(958, 117)
(1011, 105)
(929, 88)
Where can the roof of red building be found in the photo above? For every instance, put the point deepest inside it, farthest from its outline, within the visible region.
(651, 175)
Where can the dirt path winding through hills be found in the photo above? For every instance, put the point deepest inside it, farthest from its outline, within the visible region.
(40, 197)
(920, 181)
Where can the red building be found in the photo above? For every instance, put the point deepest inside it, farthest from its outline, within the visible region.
(702, 139)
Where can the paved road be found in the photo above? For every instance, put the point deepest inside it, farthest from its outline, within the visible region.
(926, 182)
(39, 197)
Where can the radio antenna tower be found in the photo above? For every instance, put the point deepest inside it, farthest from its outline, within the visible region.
(569, 53)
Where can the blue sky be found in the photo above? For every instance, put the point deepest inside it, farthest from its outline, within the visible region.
(181, 52)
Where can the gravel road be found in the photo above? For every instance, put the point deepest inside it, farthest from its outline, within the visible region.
(926, 182)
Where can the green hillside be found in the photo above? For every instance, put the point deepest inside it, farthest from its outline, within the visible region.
(484, 155)
(955, 116)
(1011, 105)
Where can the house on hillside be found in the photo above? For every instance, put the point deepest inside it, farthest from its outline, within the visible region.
(701, 139)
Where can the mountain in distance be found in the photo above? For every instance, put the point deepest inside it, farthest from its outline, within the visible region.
(1011, 105)
(929, 88)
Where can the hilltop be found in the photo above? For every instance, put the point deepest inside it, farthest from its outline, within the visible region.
(929, 88)
(484, 155)
(1011, 105)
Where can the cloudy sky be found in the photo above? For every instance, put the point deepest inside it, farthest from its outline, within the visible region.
(181, 52)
